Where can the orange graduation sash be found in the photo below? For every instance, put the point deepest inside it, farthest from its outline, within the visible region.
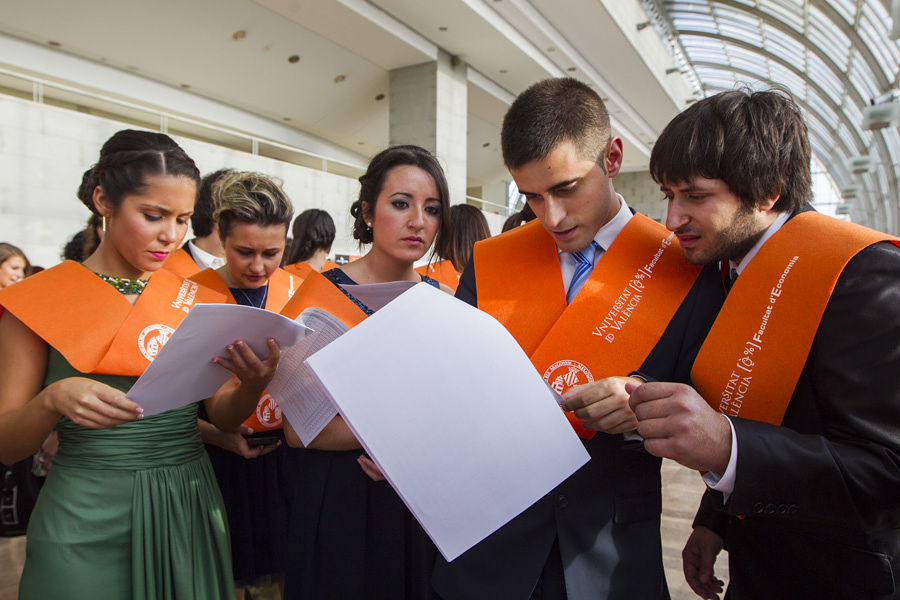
(93, 326)
(317, 291)
(267, 416)
(181, 263)
(612, 324)
(755, 351)
(301, 269)
(443, 271)
(282, 286)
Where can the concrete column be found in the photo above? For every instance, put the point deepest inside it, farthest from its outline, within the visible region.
(429, 108)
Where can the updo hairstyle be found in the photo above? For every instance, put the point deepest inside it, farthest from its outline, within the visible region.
(372, 182)
(313, 229)
(252, 198)
(127, 159)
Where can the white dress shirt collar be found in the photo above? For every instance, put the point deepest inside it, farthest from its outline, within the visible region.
(204, 259)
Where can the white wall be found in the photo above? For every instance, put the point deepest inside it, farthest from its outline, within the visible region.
(44, 151)
(642, 194)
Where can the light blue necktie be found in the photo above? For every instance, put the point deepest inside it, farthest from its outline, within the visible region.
(584, 264)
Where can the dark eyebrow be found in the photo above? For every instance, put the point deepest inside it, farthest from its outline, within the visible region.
(563, 184)
(164, 211)
(552, 188)
(404, 194)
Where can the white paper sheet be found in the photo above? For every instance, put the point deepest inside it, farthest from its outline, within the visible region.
(453, 412)
(305, 404)
(182, 372)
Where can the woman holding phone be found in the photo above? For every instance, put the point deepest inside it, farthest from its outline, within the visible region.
(253, 215)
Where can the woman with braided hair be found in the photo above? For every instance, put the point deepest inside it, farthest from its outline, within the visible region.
(313, 233)
(130, 509)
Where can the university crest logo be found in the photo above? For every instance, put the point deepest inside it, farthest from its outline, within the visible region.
(152, 338)
(268, 413)
(564, 374)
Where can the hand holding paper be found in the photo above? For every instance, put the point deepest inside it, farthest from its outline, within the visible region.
(183, 371)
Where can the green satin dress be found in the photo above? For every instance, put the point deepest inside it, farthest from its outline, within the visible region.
(131, 512)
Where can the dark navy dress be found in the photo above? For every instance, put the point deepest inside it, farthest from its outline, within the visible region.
(350, 537)
(254, 497)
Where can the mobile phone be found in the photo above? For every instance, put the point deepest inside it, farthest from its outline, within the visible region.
(262, 440)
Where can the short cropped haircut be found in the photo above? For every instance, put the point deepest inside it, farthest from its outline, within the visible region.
(252, 198)
(756, 142)
(202, 220)
(550, 112)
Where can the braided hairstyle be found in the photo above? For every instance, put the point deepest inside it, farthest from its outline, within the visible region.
(127, 159)
(313, 229)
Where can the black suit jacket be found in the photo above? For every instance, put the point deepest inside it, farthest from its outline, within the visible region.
(607, 514)
(815, 510)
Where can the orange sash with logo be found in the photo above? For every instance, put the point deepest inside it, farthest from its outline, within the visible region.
(282, 286)
(612, 324)
(93, 326)
(443, 271)
(181, 263)
(755, 351)
(267, 416)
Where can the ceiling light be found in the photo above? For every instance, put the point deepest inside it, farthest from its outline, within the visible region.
(239, 35)
(339, 78)
(293, 58)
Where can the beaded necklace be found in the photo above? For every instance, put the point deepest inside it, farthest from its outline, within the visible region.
(123, 285)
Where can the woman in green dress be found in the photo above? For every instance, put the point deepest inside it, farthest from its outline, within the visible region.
(131, 508)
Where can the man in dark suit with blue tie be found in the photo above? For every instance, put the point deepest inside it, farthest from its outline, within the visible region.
(803, 358)
(592, 292)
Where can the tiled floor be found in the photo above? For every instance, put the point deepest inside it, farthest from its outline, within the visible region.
(681, 494)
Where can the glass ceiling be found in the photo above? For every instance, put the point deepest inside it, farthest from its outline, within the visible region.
(833, 56)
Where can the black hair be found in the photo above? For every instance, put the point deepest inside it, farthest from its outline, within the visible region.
(372, 182)
(127, 159)
(550, 112)
(313, 229)
(202, 220)
(756, 142)
(467, 226)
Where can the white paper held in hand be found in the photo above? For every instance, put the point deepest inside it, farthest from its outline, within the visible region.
(306, 405)
(453, 412)
(182, 372)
